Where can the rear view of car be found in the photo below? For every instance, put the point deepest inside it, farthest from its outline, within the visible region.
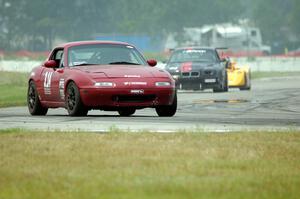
(198, 68)
(238, 76)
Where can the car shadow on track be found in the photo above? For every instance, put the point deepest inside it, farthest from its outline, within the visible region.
(102, 115)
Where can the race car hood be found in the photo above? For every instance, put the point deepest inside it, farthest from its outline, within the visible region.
(119, 71)
(204, 65)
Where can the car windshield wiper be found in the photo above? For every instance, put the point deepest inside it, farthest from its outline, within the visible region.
(124, 62)
(84, 64)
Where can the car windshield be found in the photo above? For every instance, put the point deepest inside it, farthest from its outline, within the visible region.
(194, 55)
(104, 54)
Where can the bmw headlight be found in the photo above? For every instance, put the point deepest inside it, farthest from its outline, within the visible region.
(105, 84)
(162, 84)
(175, 77)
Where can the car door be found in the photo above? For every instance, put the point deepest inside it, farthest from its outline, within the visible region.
(58, 78)
(52, 76)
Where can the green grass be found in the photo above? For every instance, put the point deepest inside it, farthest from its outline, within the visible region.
(146, 165)
(13, 87)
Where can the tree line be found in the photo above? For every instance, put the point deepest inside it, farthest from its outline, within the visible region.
(35, 24)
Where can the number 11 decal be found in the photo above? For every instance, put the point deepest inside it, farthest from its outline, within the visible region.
(47, 83)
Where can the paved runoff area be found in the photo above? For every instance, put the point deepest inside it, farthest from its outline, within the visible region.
(272, 104)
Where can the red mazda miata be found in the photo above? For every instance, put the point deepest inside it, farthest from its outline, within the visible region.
(104, 75)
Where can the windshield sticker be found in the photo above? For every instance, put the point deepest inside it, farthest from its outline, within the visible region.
(195, 51)
(47, 83)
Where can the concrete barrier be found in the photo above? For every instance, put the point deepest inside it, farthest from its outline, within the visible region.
(266, 64)
(18, 66)
(263, 64)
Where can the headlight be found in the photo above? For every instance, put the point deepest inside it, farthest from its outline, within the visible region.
(162, 84)
(175, 77)
(105, 84)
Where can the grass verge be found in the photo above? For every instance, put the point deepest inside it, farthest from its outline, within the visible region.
(146, 165)
(13, 87)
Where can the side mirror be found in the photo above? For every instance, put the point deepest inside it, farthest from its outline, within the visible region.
(152, 62)
(50, 64)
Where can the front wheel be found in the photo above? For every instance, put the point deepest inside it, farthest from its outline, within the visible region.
(167, 110)
(222, 87)
(74, 104)
(226, 83)
(33, 101)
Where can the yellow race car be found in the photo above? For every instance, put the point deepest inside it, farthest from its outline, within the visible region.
(238, 76)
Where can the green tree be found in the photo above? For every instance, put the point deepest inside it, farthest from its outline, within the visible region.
(295, 16)
(35, 24)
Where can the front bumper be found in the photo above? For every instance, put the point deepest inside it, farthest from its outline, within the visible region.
(194, 79)
(129, 97)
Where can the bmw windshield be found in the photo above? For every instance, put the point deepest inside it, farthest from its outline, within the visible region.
(194, 55)
(104, 54)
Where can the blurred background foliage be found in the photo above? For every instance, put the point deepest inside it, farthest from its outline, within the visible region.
(35, 24)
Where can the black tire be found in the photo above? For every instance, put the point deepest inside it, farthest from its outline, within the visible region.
(226, 83)
(222, 87)
(217, 90)
(125, 112)
(33, 101)
(74, 104)
(168, 110)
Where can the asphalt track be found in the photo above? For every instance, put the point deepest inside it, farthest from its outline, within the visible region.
(272, 104)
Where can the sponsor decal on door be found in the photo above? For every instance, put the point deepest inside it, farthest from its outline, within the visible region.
(62, 88)
(47, 83)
